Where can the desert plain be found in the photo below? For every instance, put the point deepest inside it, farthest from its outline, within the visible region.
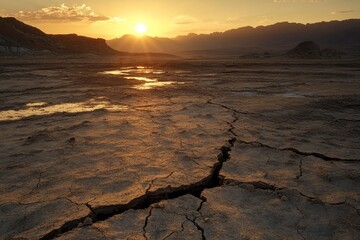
(124, 148)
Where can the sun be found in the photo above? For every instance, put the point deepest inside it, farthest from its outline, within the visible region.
(140, 28)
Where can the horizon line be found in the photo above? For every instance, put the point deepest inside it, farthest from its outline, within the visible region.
(190, 33)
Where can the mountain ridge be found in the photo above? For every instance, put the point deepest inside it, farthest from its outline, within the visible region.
(282, 35)
(17, 37)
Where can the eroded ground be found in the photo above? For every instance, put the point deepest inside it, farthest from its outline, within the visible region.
(199, 149)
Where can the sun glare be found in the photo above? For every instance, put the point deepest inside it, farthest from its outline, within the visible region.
(140, 28)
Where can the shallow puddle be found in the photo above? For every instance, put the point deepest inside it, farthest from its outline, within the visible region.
(41, 109)
(132, 73)
(133, 70)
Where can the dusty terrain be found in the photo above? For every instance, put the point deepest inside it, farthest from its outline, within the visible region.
(108, 148)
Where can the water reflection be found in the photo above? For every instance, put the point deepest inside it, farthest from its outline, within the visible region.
(132, 70)
(136, 73)
(36, 104)
(142, 79)
(115, 72)
(151, 83)
(41, 109)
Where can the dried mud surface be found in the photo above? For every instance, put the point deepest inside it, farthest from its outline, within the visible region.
(102, 148)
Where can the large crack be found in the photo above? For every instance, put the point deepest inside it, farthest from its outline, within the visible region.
(104, 212)
(150, 197)
(296, 151)
(214, 179)
(291, 149)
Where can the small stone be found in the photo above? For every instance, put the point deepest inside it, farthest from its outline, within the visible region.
(79, 225)
(206, 219)
(88, 221)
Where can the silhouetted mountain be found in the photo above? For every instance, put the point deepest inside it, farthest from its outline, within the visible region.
(311, 50)
(335, 34)
(306, 49)
(72, 44)
(18, 37)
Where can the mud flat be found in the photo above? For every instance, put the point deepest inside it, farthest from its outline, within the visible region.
(103, 148)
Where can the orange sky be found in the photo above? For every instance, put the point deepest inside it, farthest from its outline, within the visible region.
(114, 18)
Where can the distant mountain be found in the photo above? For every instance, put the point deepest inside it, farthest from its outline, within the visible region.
(334, 34)
(311, 50)
(18, 37)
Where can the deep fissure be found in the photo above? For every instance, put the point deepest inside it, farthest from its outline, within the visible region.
(214, 179)
(103, 213)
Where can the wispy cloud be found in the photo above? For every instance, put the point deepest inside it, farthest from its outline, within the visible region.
(342, 12)
(64, 13)
(185, 19)
(234, 20)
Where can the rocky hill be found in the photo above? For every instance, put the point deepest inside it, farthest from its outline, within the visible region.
(17, 37)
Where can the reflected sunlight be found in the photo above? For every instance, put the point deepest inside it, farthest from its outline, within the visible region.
(40, 109)
(132, 73)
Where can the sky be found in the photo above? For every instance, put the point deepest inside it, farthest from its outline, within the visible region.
(169, 18)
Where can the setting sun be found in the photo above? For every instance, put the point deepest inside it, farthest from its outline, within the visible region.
(140, 28)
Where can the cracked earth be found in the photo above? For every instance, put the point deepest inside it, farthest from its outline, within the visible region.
(102, 148)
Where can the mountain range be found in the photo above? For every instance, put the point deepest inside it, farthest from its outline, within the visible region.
(17, 37)
(335, 34)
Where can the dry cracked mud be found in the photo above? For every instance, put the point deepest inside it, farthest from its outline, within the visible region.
(108, 148)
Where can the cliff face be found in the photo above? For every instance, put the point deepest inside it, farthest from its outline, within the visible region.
(17, 37)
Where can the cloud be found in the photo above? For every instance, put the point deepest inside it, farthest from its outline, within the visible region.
(185, 19)
(64, 13)
(233, 20)
(343, 12)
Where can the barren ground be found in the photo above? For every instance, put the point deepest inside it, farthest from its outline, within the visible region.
(107, 148)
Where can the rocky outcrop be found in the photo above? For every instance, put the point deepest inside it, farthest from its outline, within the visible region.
(310, 50)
